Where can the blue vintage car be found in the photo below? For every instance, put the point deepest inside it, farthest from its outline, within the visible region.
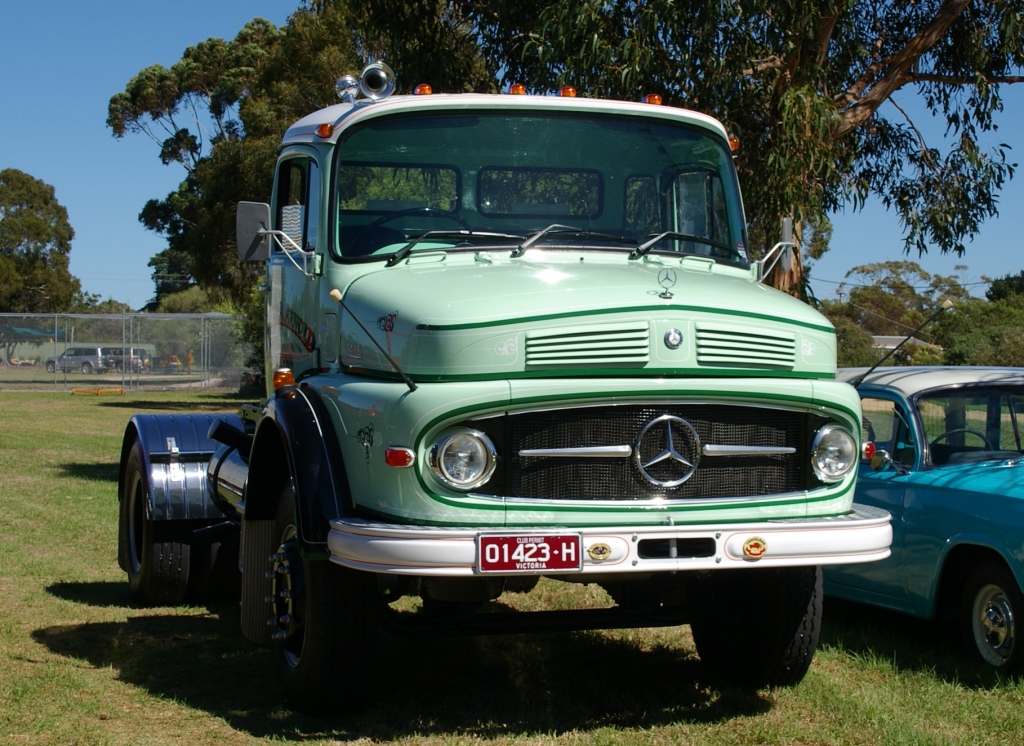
(948, 466)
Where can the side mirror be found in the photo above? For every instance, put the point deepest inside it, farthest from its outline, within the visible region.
(882, 459)
(252, 226)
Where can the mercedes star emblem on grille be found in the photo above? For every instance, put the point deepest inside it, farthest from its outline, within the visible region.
(667, 451)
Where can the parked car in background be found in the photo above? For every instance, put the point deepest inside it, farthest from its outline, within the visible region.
(947, 464)
(85, 359)
(135, 359)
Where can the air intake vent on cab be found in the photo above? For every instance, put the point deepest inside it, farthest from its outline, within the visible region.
(595, 345)
(720, 345)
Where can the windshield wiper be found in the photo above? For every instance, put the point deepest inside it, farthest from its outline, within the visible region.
(403, 252)
(646, 246)
(558, 228)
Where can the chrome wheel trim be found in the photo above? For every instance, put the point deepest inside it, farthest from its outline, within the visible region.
(993, 625)
(286, 597)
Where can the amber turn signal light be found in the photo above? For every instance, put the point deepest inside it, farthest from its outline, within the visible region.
(283, 377)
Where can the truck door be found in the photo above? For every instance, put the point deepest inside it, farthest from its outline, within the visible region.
(291, 309)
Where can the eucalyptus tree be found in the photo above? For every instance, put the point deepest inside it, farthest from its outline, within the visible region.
(220, 111)
(35, 247)
(808, 86)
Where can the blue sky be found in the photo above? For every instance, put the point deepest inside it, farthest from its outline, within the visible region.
(62, 61)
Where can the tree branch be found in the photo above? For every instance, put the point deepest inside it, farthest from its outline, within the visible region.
(926, 155)
(824, 33)
(962, 79)
(768, 63)
(900, 65)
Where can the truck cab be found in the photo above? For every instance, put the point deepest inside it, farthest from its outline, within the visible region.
(514, 337)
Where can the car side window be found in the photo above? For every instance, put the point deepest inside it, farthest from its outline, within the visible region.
(887, 426)
(971, 425)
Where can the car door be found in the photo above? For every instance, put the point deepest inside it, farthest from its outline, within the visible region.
(887, 424)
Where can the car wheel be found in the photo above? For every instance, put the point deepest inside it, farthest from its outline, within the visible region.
(991, 615)
(324, 621)
(51, 368)
(157, 570)
(87, 367)
(758, 627)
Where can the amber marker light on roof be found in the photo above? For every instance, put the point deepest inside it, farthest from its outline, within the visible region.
(325, 130)
(652, 98)
(567, 90)
(734, 143)
(283, 377)
(517, 89)
(423, 89)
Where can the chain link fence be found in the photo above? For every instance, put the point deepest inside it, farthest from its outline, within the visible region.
(154, 351)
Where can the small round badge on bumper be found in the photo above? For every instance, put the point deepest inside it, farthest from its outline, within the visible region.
(755, 547)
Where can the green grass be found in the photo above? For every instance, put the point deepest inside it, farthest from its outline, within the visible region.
(81, 664)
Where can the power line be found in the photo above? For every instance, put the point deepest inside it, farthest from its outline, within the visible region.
(912, 287)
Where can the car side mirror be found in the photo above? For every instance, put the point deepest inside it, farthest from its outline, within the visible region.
(882, 459)
(252, 231)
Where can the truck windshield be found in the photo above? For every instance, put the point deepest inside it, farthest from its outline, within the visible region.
(490, 180)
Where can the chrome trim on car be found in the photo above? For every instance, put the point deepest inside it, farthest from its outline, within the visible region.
(711, 450)
(583, 452)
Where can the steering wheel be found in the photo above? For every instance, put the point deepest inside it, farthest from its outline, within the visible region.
(430, 212)
(975, 433)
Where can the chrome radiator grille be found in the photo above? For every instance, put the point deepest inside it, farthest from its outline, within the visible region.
(743, 452)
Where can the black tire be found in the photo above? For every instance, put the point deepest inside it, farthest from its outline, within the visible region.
(87, 367)
(158, 571)
(758, 627)
(325, 624)
(992, 618)
(51, 368)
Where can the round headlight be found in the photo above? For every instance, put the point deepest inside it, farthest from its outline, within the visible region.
(463, 460)
(834, 453)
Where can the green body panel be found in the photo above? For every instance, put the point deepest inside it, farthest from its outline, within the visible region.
(459, 316)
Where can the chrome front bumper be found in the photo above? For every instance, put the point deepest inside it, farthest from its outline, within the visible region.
(863, 535)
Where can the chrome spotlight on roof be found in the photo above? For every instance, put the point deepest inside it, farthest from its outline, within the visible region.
(347, 86)
(376, 81)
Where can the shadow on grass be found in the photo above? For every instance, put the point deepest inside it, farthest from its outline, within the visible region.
(476, 687)
(100, 594)
(906, 643)
(93, 472)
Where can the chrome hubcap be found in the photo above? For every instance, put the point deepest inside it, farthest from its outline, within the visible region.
(994, 625)
(285, 597)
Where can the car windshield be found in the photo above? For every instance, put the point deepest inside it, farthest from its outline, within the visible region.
(499, 180)
(972, 424)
